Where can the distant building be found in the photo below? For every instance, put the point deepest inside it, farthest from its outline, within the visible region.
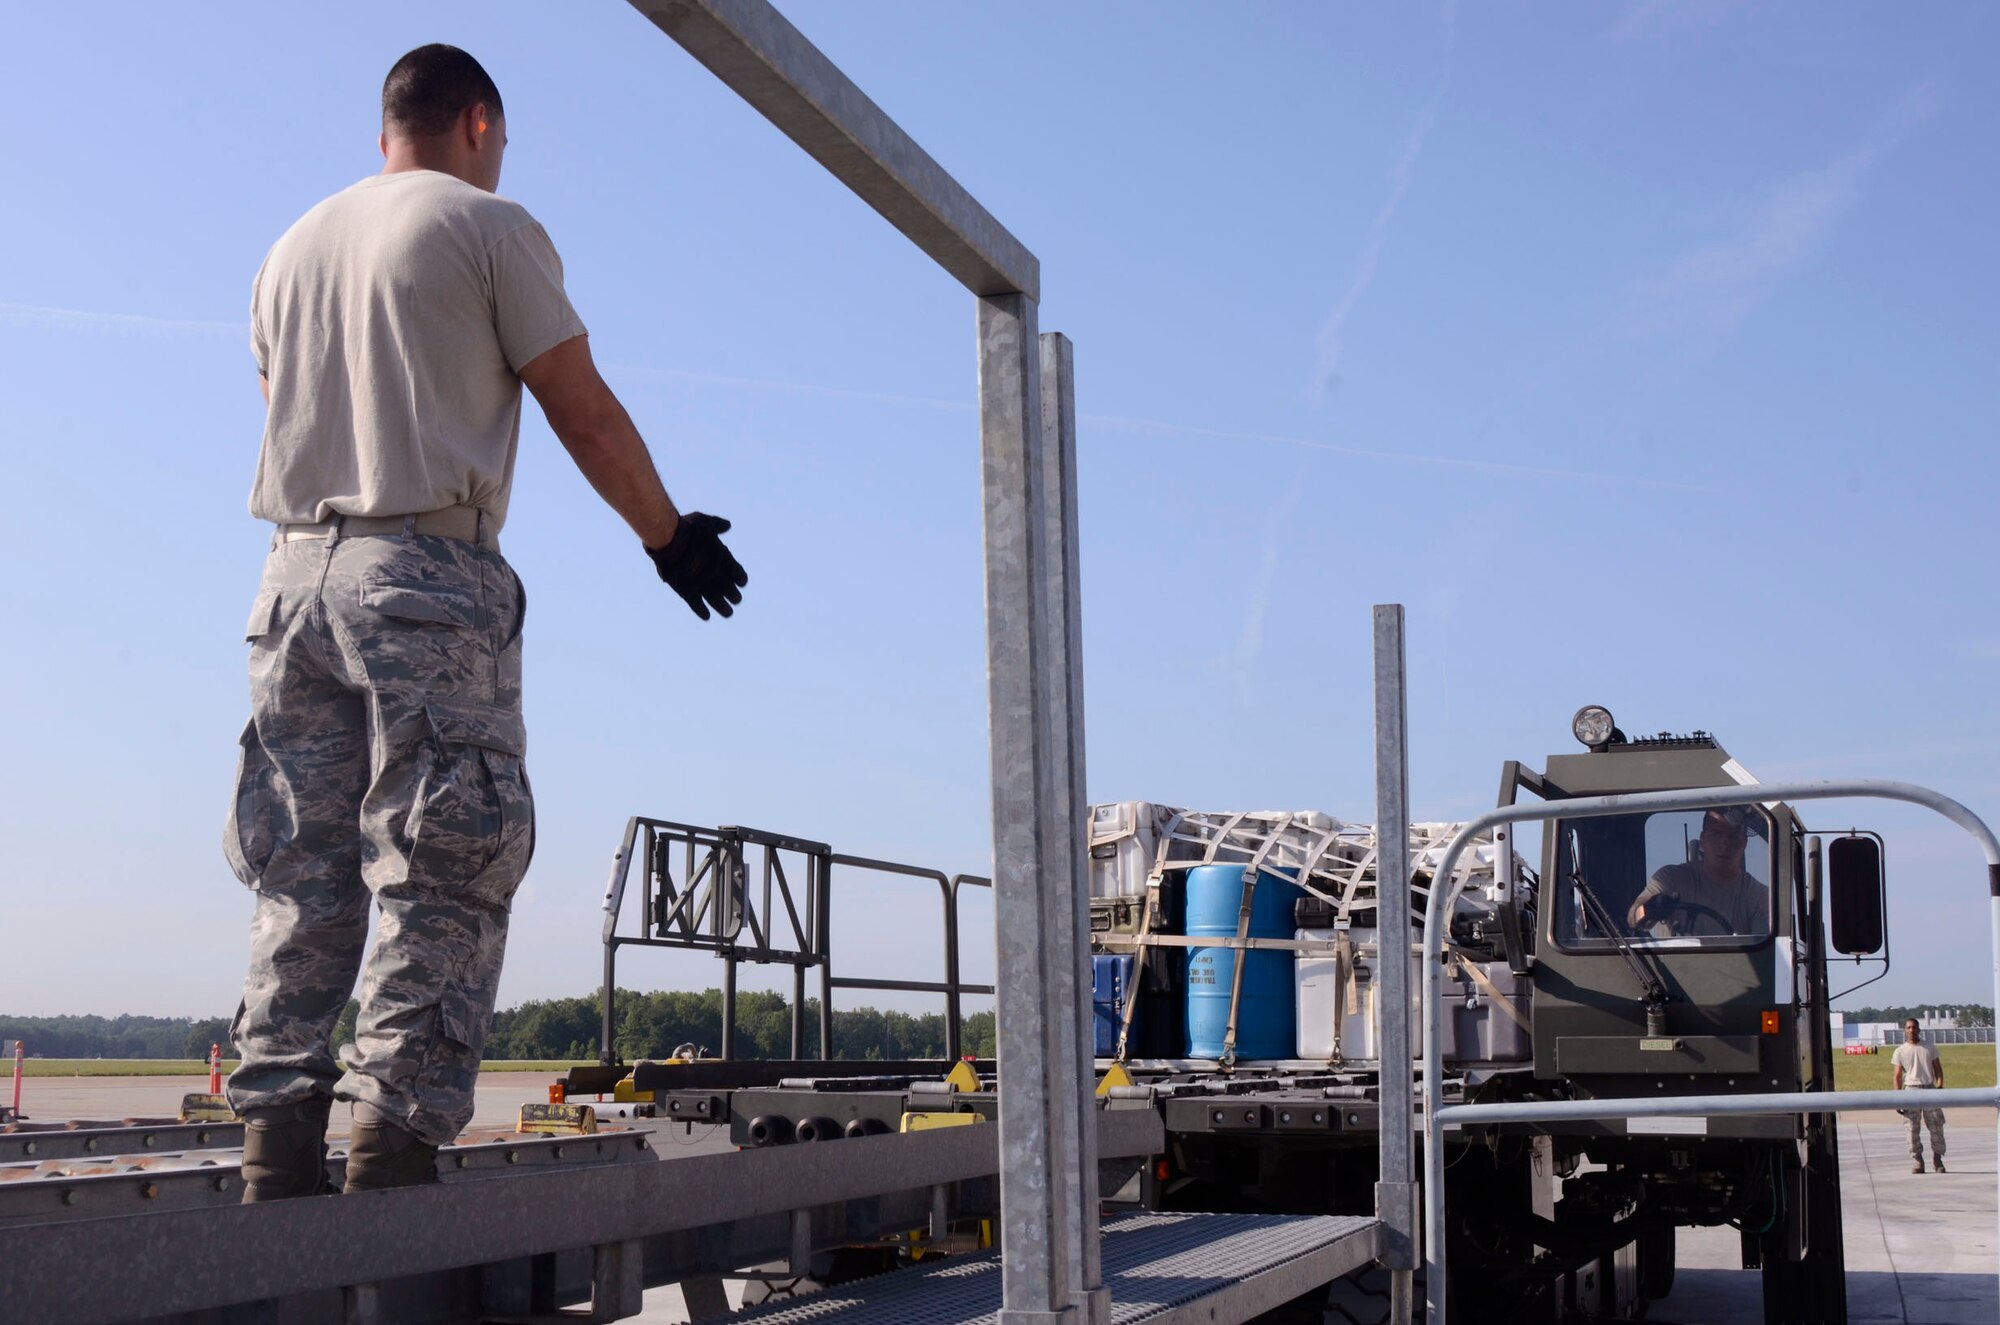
(1938, 1025)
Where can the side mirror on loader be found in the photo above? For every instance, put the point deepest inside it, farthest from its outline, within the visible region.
(1854, 895)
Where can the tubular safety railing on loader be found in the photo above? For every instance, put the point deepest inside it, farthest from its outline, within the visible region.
(713, 907)
(1437, 1116)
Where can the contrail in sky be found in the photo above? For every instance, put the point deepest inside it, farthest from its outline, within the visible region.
(1405, 457)
(1332, 342)
(1250, 642)
(785, 388)
(1710, 289)
(77, 319)
(1160, 427)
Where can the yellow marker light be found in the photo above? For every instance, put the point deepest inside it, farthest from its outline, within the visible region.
(1769, 1017)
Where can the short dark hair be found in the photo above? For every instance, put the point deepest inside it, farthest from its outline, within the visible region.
(431, 87)
(1733, 818)
(1729, 823)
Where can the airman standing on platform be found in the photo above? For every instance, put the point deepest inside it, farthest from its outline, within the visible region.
(394, 326)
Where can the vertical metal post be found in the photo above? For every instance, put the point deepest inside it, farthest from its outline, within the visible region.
(1395, 1194)
(826, 964)
(1810, 984)
(798, 1011)
(617, 1280)
(1993, 883)
(799, 1261)
(607, 1031)
(1066, 890)
(1037, 1061)
(729, 1007)
(954, 1003)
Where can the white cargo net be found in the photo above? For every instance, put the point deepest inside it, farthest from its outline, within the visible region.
(1331, 860)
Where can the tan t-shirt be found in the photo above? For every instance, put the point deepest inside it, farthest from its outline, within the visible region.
(1919, 1062)
(1744, 903)
(392, 321)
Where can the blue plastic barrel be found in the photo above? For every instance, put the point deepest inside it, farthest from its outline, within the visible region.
(1267, 1011)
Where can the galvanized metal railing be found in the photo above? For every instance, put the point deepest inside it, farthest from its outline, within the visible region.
(1437, 1116)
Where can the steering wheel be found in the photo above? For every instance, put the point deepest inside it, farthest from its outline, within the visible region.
(1691, 910)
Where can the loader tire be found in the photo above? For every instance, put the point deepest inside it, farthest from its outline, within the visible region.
(1656, 1262)
(1361, 1298)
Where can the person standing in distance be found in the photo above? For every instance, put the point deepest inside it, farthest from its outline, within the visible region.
(393, 326)
(1916, 1066)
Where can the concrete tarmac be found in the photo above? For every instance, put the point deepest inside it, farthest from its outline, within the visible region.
(1922, 1249)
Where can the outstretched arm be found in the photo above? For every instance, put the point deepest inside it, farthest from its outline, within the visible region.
(689, 554)
(599, 435)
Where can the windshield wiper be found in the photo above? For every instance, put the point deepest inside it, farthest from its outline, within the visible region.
(1653, 990)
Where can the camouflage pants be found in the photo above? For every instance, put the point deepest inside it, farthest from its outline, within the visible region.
(1916, 1120)
(383, 760)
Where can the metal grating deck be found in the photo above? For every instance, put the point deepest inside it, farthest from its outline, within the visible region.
(1161, 1269)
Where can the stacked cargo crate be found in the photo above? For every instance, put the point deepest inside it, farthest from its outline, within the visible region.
(1140, 857)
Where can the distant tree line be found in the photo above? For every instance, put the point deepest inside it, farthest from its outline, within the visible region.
(650, 1025)
(114, 1037)
(653, 1025)
(1961, 1014)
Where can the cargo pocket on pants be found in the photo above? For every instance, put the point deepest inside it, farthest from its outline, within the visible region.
(471, 829)
(249, 838)
(451, 1066)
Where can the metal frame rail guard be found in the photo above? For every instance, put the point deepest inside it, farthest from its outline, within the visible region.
(1438, 1116)
(717, 898)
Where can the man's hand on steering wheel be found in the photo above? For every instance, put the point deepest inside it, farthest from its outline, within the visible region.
(1679, 915)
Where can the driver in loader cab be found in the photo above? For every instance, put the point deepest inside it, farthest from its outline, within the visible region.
(1712, 894)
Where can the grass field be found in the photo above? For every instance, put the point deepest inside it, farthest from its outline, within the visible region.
(1964, 1065)
(195, 1067)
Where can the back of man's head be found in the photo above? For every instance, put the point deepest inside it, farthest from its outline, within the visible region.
(429, 88)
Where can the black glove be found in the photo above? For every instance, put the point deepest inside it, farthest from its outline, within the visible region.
(697, 566)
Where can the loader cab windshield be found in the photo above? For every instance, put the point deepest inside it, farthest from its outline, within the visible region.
(1676, 878)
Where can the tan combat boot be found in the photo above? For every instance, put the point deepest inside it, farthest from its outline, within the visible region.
(284, 1151)
(383, 1154)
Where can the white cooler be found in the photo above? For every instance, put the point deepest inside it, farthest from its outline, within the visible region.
(1124, 843)
(1477, 1027)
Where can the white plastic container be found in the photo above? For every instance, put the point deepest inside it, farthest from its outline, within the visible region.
(1124, 843)
(1360, 1010)
(1317, 977)
(1475, 1028)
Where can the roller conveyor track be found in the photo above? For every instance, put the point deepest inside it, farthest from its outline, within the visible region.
(37, 1142)
(87, 1185)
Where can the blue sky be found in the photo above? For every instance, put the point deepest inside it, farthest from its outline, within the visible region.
(1644, 351)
